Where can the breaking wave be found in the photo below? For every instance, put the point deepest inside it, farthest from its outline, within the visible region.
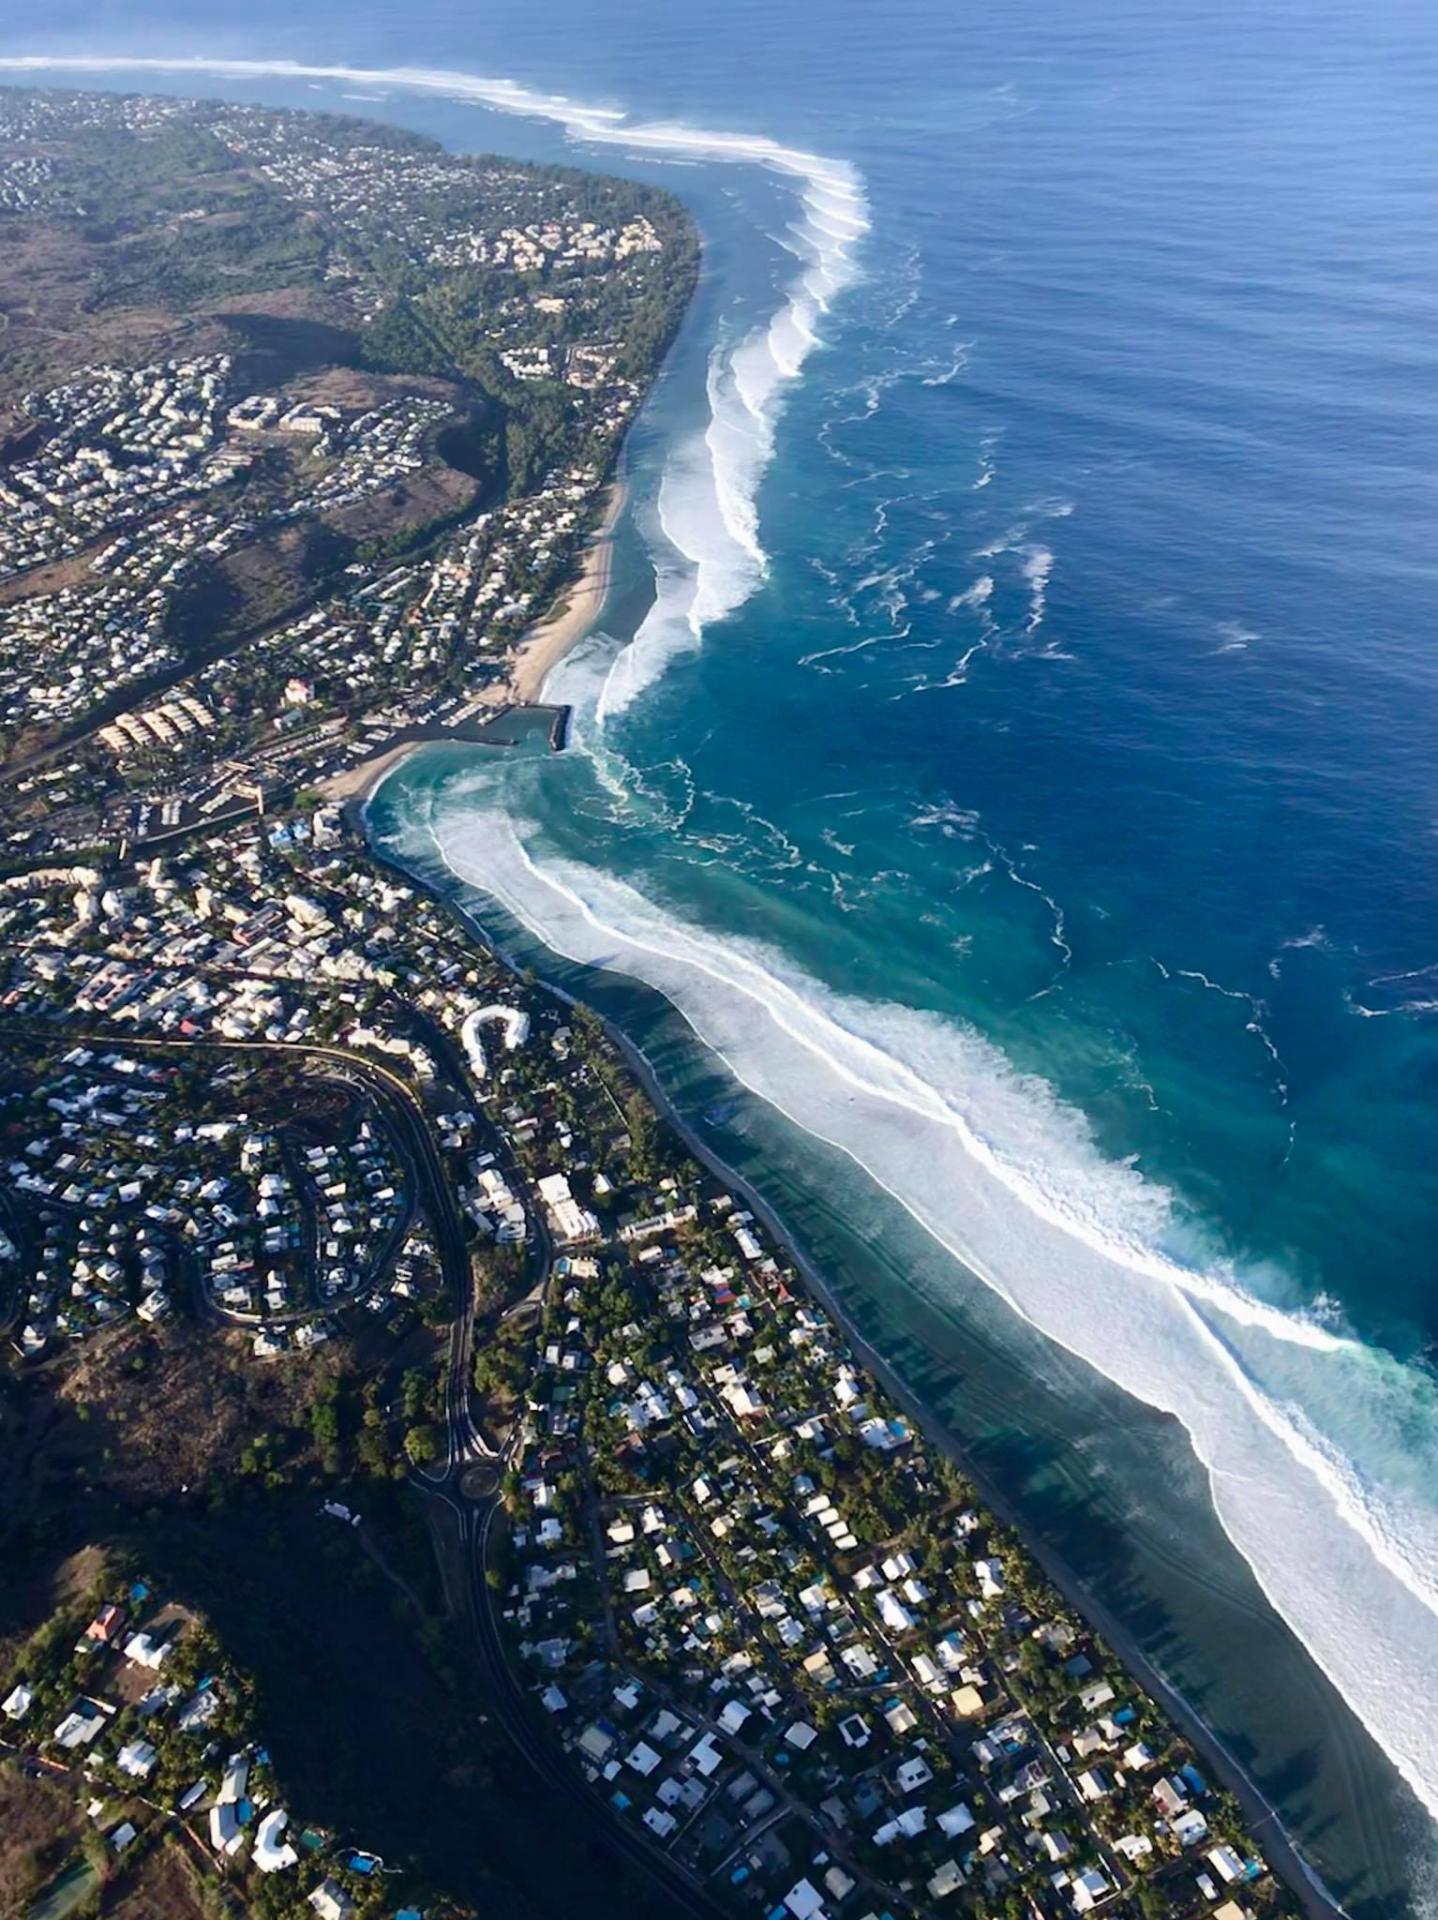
(1320, 1451)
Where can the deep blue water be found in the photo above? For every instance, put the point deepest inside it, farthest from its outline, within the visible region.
(1043, 813)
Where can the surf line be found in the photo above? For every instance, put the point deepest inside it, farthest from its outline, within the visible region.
(1343, 1537)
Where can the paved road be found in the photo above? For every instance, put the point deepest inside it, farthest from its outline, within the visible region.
(513, 1709)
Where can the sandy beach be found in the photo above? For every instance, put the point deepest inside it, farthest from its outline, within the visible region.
(359, 781)
(549, 640)
(533, 658)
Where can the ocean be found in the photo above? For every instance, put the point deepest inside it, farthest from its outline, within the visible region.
(1002, 797)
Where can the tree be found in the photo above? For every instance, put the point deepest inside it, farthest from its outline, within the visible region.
(421, 1443)
(639, 1118)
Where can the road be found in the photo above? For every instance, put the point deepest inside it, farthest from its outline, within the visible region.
(474, 1520)
(680, 1891)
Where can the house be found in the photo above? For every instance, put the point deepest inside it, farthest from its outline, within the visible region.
(805, 1901)
(1226, 1864)
(226, 1834)
(137, 1759)
(1189, 1828)
(331, 1902)
(967, 1702)
(18, 1702)
(80, 1725)
(955, 1821)
(733, 1717)
(273, 1853)
(596, 1743)
(1170, 1797)
(104, 1629)
(147, 1651)
(946, 1880)
(901, 1716)
(990, 1576)
(892, 1611)
(1086, 1889)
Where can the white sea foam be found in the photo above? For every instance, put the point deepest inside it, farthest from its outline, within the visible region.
(1234, 637)
(1038, 567)
(1320, 1451)
(978, 595)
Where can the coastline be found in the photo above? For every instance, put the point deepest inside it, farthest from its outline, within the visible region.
(360, 782)
(556, 634)
(533, 658)
(1264, 1820)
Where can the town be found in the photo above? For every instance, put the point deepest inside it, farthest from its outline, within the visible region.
(774, 1631)
(378, 457)
(331, 1242)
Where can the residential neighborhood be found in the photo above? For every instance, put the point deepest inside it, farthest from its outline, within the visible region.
(342, 1255)
(139, 1711)
(774, 1631)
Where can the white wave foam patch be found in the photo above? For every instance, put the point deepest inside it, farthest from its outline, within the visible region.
(724, 558)
(1296, 1425)
(1037, 570)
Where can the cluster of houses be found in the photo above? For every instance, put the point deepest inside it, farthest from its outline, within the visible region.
(84, 1166)
(427, 200)
(25, 181)
(172, 721)
(376, 449)
(120, 446)
(128, 1192)
(448, 617)
(278, 1230)
(804, 1660)
(64, 651)
(295, 1227)
(222, 942)
(541, 247)
(433, 634)
(150, 1729)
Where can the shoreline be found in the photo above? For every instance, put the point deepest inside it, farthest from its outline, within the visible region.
(534, 656)
(354, 785)
(1282, 1852)
(556, 634)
